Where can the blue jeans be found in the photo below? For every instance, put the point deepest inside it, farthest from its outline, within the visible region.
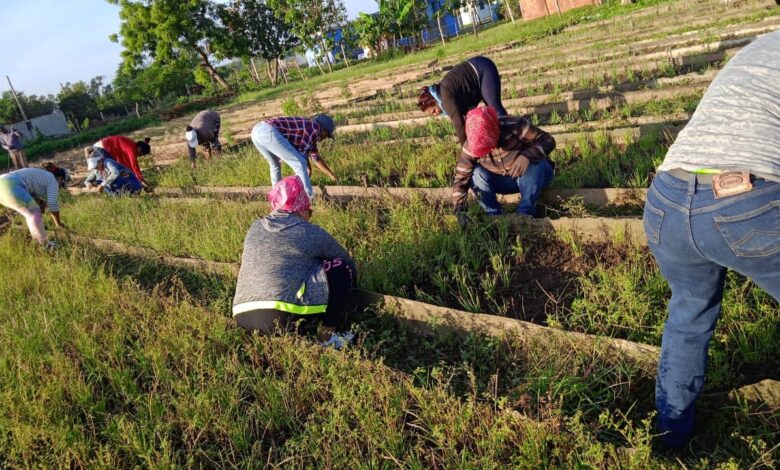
(487, 184)
(122, 185)
(276, 148)
(695, 238)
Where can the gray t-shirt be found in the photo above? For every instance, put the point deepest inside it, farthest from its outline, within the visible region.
(737, 124)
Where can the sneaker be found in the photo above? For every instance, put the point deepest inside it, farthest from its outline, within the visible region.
(338, 341)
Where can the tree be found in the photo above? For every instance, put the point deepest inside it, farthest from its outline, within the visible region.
(444, 7)
(252, 29)
(311, 20)
(370, 29)
(154, 82)
(33, 105)
(75, 101)
(166, 31)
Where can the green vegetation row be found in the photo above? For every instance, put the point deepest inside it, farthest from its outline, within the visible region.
(594, 161)
(414, 250)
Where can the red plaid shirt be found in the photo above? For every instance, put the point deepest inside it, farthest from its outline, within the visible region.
(302, 133)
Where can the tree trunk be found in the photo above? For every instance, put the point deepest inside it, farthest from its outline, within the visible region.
(474, 17)
(204, 62)
(253, 68)
(509, 9)
(137, 111)
(297, 66)
(344, 54)
(284, 71)
(325, 54)
(322, 71)
(268, 69)
(441, 32)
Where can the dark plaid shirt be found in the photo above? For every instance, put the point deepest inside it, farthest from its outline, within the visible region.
(302, 133)
(520, 144)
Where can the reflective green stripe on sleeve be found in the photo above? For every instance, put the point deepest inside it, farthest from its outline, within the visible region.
(301, 291)
(706, 171)
(279, 305)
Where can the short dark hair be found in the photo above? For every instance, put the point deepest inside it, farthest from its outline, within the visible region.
(143, 147)
(189, 128)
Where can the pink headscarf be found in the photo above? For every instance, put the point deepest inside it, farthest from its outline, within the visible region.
(288, 195)
(482, 130)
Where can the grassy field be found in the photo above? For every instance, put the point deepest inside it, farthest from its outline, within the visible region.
(117, 361)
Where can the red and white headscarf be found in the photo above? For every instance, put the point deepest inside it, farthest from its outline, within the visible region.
(482, 130)
(289, 195)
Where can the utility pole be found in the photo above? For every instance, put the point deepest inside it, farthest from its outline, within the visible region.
(21, 110)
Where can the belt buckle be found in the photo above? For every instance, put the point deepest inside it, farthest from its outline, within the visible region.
(730, 183)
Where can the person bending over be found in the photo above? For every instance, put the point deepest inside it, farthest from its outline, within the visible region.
(293, 140)
(462, 89)
(714, 205)
(29, 191)
(125, 151)
(203, 130)
(292, 269)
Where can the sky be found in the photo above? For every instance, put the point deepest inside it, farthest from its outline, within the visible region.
(58, 41)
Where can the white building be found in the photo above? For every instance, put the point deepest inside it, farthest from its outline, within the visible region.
(484, 14)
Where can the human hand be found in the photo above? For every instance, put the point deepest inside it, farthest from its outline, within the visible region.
(519, 166)
(462, 216)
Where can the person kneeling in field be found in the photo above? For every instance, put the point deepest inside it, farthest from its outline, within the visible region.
(29, 191)
(292, 269)
(110, 177)
(125, 151)
(293, 140)
(505, 155)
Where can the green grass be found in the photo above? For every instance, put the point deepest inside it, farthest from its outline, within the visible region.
(415, 250)
(592, 162)
(118, 362)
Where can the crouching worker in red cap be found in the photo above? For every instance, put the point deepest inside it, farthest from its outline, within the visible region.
(506, 155)
(293, 270)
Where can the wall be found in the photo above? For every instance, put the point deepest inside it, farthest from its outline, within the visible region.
(53, 124)
(538, 8)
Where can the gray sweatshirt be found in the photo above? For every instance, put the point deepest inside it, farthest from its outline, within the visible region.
(281, 267)
(737, 124)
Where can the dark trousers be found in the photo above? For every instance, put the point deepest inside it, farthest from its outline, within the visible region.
(341, 279)
(489, 82)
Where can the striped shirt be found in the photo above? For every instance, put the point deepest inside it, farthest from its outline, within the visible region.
(302, 133)
(41, 184)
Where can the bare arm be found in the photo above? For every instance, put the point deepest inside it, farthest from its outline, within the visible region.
(323, 167)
